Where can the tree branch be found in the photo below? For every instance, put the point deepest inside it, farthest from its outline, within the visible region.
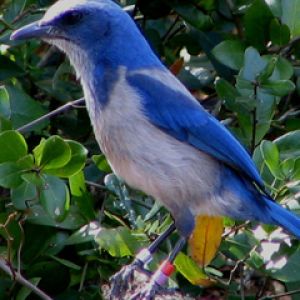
(20, 279)
(280, 295)
(53, 113)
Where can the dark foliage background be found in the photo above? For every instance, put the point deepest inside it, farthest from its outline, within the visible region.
(67, 224)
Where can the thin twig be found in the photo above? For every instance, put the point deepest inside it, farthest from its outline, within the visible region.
(253, 139)
(53, 113)
(286, 50)
(241, 267)
(4, 266)
(280, 295)
(83, 277)
(96, 185)
(166, 35)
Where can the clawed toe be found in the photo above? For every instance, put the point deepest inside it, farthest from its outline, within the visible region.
(123, 280)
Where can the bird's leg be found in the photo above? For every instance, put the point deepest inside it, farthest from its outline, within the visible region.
(123, 278)
(160, 277)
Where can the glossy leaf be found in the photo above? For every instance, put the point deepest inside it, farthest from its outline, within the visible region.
(230, 53)
(55, 197)
(193, 16)
(280, 87)
(10, 175)
(270, 154)
(118, 242)
(74, 165)
(23, 108)
(290, 271)
(101, 163)
(290, 13)
(191, 271)
(15, 146)
(205, 239)
(289, 144)
(52, 153)
(23, 195)
(257, 22)
(279, 33)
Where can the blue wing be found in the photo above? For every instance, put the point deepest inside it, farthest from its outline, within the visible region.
(175, 112)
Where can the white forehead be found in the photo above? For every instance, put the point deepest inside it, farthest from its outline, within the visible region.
(65, 5)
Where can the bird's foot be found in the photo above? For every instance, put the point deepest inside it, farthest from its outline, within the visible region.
(158, 280)
(148, 293)
(122, 281)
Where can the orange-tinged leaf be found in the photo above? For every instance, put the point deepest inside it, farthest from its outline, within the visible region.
(206, 239)
(177, 66)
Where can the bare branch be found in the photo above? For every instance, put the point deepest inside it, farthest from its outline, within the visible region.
(19, 278)
(280, 295)
(53, 113)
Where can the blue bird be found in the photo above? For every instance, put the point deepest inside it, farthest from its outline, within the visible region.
(155, 135)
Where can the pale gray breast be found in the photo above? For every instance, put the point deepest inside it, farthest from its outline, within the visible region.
(149, 159)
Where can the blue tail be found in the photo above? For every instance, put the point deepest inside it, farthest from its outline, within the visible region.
(256, 206)
(282, 217)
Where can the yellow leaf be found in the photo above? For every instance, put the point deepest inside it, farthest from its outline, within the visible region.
(206, 239)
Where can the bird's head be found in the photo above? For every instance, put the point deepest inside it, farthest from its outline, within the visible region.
(87, 29)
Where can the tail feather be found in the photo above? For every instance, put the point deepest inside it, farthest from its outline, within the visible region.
(284, 218)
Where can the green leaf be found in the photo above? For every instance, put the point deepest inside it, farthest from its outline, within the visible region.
(72, 221)
(290, 16)
(193, 16)
(287, 167)
(23, 108)
(85, 234)
(34, 178)
(10, 175)
(66, 263)
(55, 197)
(279, 33)
(257, 21)
(81, 196)
(8, 68)
(23, 195)
(77, 184)
(14, 9)
(283, 69)
(289, 145)
(289, 272)
(270, 154)
(101, 163)
(253, 64)
(25, 291)
(275, 7)
(15, 146)
(4, 103)
(267, 72)
(118, 242)
(296, 169)
(52, 153)
(227, 92)
(230, 53)
(279, 87)
(190, 270)
(75, 164)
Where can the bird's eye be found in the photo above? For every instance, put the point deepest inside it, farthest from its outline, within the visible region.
(72, 18)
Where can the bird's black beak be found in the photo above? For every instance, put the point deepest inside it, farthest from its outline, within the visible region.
(30, 31)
